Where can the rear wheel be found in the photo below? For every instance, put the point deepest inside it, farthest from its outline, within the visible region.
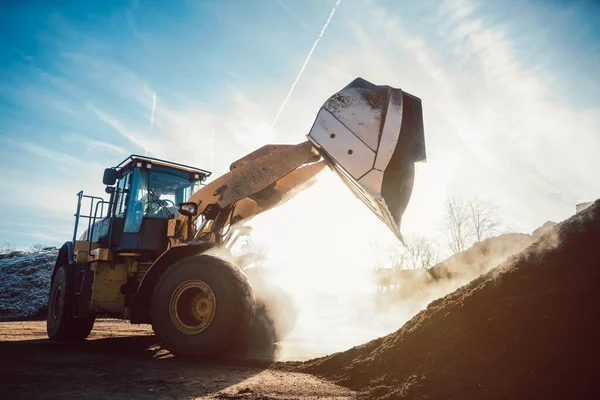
(60, 323)
(202, 306)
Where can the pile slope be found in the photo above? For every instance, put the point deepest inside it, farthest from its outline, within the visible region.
(25, 284)
(418, 287)
(481, 257)
(526, 329)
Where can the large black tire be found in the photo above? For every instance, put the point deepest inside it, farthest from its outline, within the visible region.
(60, 323)
(184, 328)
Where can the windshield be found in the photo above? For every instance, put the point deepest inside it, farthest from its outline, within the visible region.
(167, 188)
(157, 193)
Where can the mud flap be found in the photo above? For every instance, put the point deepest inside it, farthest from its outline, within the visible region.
(372, 136)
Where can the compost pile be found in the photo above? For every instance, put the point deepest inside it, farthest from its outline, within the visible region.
(526, 329)
(25, 283)
(481, 257)
(416, 288)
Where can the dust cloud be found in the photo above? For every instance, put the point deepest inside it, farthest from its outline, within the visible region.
(335, 320)
(320, 290)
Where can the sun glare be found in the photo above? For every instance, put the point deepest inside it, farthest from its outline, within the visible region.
(322, 237)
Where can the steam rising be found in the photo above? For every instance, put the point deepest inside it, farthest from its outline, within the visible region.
(333, 306)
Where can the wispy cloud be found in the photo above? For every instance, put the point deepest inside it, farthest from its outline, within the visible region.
(93, 144)
(494, 125)
(305, 25)
(64, 159)
(130, 135)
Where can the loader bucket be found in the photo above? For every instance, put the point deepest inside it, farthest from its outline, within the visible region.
(372, 136)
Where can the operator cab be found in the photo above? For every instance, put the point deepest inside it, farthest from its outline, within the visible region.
(145, 194)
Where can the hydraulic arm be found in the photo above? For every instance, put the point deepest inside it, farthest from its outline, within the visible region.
(370, 135)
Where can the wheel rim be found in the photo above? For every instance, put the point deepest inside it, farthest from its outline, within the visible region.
(192, 307)
(56, 303)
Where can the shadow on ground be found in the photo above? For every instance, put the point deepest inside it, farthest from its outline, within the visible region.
(115, 367)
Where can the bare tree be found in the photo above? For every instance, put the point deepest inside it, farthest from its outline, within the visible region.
(430, 254)
(36, 248)
(380, 254)
(483, 218)
(6, 248)
(455, 224)
(468, 221)
(396, 255)
(413, 251)
(387, 255)
(388, 258)
(421, 252)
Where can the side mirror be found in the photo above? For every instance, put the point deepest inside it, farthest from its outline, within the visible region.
(110, 176)
(188, 209)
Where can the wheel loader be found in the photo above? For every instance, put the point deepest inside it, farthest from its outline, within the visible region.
(155, 252)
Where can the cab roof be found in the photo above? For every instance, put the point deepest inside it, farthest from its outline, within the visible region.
(133, 159)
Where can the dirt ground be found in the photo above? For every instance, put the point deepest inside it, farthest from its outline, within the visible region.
(120, 360)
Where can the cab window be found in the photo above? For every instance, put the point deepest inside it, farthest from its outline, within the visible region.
(138, 193)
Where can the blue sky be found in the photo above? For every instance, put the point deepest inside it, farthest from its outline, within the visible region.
(510, 90)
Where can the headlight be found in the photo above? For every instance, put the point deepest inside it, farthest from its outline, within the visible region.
(188, 209)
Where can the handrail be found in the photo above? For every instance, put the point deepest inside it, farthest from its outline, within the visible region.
(94, 201)
(91, 230)
(79, 198)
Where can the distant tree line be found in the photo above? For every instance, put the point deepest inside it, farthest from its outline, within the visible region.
(7, 247)
(463, 222)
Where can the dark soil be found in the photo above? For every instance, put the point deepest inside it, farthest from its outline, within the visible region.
(526, 329)
(123, 361)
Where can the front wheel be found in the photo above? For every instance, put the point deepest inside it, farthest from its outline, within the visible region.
(202, 306)
(60, 323)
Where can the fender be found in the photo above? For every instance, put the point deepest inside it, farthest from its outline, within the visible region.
(140, 308)
(65, 257)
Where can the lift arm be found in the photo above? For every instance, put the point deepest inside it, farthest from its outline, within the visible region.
(370, 135)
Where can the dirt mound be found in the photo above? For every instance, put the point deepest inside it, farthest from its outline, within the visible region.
(415, 288)
(543, 229)
(25, 284)
(526, 329)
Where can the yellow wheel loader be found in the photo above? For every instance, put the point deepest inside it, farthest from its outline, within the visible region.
(148, 253)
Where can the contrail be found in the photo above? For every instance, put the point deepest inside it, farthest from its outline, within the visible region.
(305, 62)
(152, 116)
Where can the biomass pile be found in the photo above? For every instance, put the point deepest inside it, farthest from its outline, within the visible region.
(25, 284)
(526, 329)
(416, 288)
(481, 257)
